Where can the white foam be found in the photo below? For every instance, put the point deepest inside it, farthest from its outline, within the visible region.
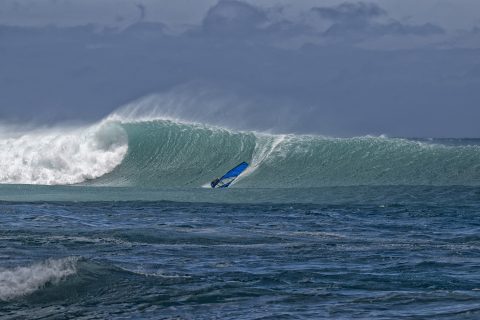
(22, 281)
(265, 146)
(61, 155)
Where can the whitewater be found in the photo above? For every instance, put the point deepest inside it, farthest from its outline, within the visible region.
(60, 156)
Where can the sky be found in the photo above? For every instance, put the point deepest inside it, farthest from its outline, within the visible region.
(344, 68)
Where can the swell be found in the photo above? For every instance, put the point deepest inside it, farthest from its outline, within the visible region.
(164, 153)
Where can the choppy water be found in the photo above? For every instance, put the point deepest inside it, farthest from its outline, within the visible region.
(346, 252)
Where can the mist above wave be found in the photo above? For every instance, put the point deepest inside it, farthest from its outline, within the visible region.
(203, 104)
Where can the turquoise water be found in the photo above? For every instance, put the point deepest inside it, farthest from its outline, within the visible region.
(190, 155)
(116, 222)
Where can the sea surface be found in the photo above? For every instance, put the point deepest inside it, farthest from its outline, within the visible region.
(116, 221)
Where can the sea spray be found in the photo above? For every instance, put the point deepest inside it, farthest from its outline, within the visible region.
(265, 145)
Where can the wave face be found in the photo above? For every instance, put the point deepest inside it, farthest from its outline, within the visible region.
(171, 154)
(167, 153)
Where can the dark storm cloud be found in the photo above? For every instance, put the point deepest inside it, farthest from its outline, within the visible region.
(465, 39)
(396, 27)
(350, 11)
(148, 31)
(233, 18)
(358, 21)
(365, 30)
(238, 21)
(57, 73)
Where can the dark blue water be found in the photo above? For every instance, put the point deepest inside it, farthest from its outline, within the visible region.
(339, 253)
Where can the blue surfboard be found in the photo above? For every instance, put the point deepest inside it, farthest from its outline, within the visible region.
(229, 177)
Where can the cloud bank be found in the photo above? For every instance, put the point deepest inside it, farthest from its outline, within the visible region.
(346, 69)
(363, 20)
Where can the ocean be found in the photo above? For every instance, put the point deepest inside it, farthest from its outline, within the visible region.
(115, 220)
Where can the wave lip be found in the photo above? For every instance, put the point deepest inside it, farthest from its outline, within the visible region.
(21, 281)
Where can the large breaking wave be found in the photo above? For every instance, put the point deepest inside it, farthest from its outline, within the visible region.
(168, 153)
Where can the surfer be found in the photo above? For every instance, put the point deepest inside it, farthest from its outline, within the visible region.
(214, 182)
